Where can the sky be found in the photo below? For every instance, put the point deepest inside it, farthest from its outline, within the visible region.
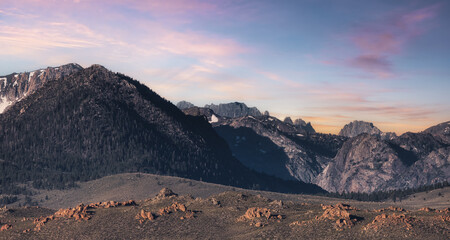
(327, 62)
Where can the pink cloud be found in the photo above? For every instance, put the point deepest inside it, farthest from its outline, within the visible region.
(374, 64)
(377, 42)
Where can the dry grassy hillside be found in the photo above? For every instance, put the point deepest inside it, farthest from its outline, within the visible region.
(122, 187)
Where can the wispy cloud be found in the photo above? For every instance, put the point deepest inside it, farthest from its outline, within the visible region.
(378, 41)
(376, 64)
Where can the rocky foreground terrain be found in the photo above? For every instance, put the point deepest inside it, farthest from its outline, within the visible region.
(227, 215)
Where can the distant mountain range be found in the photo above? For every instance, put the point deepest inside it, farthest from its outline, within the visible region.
(66, 124)
(361, 158)
(73, 124)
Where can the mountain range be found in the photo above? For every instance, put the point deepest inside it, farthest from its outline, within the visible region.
(67, 124)
(361, 158)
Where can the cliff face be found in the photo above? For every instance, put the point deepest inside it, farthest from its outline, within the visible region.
(16, 86)
(363, 164)
(233, 110)
(367, 163)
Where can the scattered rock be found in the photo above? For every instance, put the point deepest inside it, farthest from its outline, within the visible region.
(143, 215)
(445, 210)
(391, 208)
(255, 215)
(339, 212)
(5, 227)
(394, 220)
(256, 212)
(215, 202)
(173, 208)
(40, 222)
(427, 209)
(189, 215)
(165, 193)
(443, 218)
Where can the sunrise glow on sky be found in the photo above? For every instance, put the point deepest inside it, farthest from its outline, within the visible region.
(328, 62)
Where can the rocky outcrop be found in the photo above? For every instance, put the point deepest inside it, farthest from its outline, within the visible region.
(338, 213)
(394, 220)
(258, 216)
(16, 86)
(145, 215)
(175, 207)
(234, 110)
(5, 227)
(184, 105)
(166, 193)
(78, 213)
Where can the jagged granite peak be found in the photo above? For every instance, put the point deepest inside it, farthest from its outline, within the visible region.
(288, 120)
(16, 86)
(234, 110)
(440, 131)
(299, 122)
(266, 113)
(184, 105)
(94, 123)
(356, 128)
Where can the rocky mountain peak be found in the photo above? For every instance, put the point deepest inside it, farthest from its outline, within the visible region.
(440, 131)
(299, 122)
(184, 105)
(288, 120)
(356, 128)
(234, 110)
(16, 86)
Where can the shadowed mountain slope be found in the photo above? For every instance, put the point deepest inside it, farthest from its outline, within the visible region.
(94, 123)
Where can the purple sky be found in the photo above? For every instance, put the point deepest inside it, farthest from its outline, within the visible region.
(328, 62)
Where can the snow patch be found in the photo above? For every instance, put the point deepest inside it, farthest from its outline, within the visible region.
(214, 119)
(31, 75)
(2, 79)
(4, 103)
(15, 83)
(16, 76)
(300, 135)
